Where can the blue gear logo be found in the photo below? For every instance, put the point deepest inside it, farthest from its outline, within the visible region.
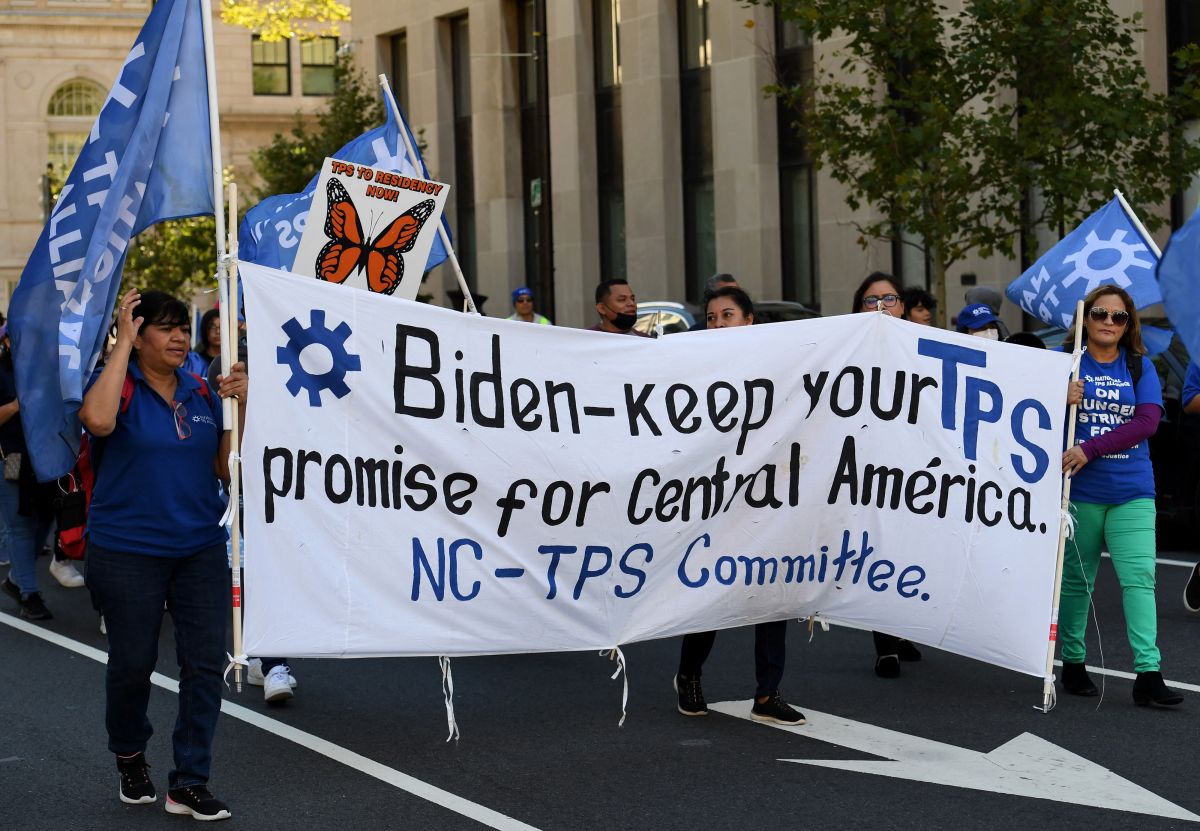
(299, 338)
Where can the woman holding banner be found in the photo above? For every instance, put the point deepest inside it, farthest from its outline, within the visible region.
(726, 307)
(155, 538)
(1112, 491)
(880, 292)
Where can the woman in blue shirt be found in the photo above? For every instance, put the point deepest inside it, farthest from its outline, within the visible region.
(155, 538)
(1112, 491)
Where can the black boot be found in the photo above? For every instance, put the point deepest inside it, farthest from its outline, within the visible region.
(1150, 689)
(1075, 680)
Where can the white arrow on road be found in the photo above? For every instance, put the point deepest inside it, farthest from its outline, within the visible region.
(1026, 766)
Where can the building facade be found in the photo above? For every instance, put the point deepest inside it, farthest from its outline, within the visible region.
(58, 59)
(585, 139)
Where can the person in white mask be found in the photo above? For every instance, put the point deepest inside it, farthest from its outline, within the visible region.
(979, 319)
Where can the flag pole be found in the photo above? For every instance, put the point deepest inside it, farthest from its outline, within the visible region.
(1137, 223)
(218, 186)
(411, 152)
(235, 464)
(1064, 521)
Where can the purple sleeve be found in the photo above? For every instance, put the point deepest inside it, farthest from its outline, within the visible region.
(1139, 428)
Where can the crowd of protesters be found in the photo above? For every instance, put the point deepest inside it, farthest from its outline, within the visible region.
(155, 545)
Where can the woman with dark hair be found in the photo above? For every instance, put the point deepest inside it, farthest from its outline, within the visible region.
(155, 538)
(726, 307)
(880, 291)
(208, 344)
(1112, 491)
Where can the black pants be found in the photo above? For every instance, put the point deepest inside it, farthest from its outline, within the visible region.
(769, 652)
(886, 644)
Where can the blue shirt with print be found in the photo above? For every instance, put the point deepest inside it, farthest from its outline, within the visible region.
(1109, 399)
(156, 492)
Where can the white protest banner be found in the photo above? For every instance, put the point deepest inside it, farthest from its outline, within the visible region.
(423, 482)
(370, 228)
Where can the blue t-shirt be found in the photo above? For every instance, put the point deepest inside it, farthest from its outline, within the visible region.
(1109, 398)
(1191, 383)
(156, 493)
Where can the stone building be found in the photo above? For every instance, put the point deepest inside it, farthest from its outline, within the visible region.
(58, 59)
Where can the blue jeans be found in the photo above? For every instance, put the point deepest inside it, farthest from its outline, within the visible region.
(24, 536)
(130, 590)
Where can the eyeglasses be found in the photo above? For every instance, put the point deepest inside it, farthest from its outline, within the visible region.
(872, 301)
(1100, 315)
(524, 299)
(182, 429)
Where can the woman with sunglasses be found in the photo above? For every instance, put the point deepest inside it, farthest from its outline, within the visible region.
(881, 292)
(726, 307)
(1112, 491)
(155, 538)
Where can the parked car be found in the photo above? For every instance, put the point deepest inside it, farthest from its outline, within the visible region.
(1174, 448)
(676, 317)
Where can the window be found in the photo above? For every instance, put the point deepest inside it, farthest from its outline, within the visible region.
(535, 150)
(272, 66)
(610, 161)
(699, 220)
(797, 198)
(464, 166)
(72, 109)
(399, 76)
(317, 58)
(76, 98)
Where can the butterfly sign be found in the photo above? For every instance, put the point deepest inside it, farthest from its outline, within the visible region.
(370, 228)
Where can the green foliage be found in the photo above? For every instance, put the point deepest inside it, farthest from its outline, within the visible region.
(288, 163)
(945, 122)
(178, 256)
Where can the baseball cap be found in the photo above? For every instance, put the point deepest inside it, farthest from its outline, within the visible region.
(975, 316)
(522, 291)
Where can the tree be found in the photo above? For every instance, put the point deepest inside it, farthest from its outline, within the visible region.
(178, 256)
(288, 163)
(946, 123)
(281, 19)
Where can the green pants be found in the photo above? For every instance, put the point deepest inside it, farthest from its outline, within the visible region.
(1129, 532)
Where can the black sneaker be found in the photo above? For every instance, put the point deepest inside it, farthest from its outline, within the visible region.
(1191, 592)
(136, 787)
(34, 608)
(887, 666)
(691, 697)
(196, 801)
(777, 710)
(10, 588)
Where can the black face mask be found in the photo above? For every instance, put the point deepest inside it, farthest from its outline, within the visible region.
(624, 321)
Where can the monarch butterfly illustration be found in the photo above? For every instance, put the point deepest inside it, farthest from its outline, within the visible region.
(348, 249)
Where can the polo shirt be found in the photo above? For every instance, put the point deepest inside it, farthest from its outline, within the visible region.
(1109, 399)
(156, 493)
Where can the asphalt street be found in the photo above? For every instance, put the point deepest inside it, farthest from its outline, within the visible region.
(953, 743)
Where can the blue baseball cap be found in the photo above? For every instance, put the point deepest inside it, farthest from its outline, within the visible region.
(523, 291)
(975, 316)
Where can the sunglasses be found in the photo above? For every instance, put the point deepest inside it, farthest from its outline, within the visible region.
(872, 301)
(182, 429)
(1100, 315)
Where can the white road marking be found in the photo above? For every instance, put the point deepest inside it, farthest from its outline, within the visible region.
(1162, 561)
(416, 787)
(1026, 766)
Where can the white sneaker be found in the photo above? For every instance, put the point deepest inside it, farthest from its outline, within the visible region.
(277, 684)
(66, 574)
(254, 674)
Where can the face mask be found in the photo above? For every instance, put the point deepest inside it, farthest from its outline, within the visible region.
(624, 321)
(990, 334)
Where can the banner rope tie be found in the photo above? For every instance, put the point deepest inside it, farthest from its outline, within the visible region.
(448, 694)
(241, 660)
(815, 619)
(615, 654)
(1053, 696)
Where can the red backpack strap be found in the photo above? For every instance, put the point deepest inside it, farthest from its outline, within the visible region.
(126, 392)
(203, 387)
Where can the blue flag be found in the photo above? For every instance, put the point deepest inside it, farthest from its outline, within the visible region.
(1105, 248)
(146, 159)
(270, 232)
(1179, 281)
